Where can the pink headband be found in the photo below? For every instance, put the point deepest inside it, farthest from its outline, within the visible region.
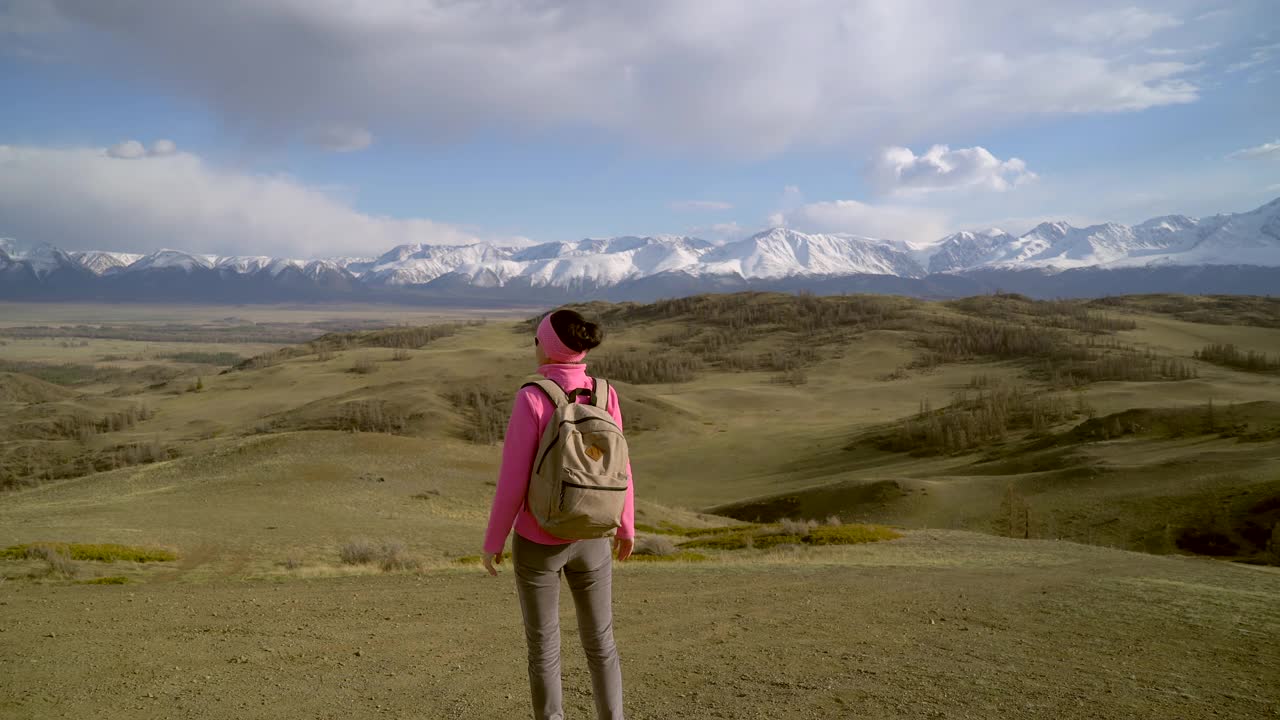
(553, 347)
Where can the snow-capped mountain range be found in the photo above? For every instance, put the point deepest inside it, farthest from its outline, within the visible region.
(778, 255)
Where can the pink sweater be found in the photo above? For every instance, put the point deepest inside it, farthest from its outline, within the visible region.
(529, 418)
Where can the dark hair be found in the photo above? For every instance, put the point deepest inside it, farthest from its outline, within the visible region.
(575, 331)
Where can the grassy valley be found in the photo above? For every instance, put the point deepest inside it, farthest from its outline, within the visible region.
(1094, 456)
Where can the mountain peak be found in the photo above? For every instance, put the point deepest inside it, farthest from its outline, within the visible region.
(1051, 230)
(772, 254)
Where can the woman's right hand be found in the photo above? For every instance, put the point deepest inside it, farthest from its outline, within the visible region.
(491, 559)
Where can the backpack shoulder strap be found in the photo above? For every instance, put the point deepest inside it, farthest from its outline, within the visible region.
(601, 393)
(549, 388)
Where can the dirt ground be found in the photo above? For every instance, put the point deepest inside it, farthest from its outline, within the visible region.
(935, 625)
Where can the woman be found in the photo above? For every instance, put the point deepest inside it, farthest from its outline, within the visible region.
(561, 344)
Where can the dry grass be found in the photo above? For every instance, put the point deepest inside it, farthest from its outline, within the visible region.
(59, 562)
(721, 438)
(477, 559)
(654, 545)
(95, 553)
(791, 532)
(388, 555)
(850, 535)
(676, 557)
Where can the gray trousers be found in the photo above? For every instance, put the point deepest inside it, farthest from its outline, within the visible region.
(588, 566)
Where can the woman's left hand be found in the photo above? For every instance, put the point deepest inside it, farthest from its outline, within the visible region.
(624, 546)
(489, 560)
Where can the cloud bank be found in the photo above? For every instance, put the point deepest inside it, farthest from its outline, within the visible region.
(128, 197)
(746, 78)
(701, 205)
(910, 224)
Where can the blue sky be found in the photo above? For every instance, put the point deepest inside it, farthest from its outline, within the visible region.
(324, 127)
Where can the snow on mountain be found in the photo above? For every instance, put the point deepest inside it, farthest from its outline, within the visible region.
(781, 252)
(99, 262)
(171, 259)
(42, 258)
(592, 262)
(320, 269)
(1251, 238)
(420, 264)
(968, 249)
(603, 262)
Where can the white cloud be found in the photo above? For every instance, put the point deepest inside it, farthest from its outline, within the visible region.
(701, 205)
(132, 149)
(719, 232)
(897, 170)
(163, 147)
(1259, 56)
(746, 78)
(127, 150)
(910, 224)
(1264, 150)
(340, 138)
(87, 198)
(1119, 25)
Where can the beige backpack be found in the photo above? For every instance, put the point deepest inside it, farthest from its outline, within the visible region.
(579, 480)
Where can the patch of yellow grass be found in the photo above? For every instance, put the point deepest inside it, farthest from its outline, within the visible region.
(684, 556)
(765, 537)
(477, 559)
(103, 552)
(850, 534)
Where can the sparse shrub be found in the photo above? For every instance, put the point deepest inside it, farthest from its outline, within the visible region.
(796, 527)
(58, 561)
(669, 367)
(401, 354)
(372, 416)
(834, 521)
(1230, 356)
(293, 562)
(324, 355)
(389, 555)
(364, 366)
(393, 556)
(105, 552)
(974, 421)
(358, 552)
(1066, 314)
(654, 545)
(486, 410)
